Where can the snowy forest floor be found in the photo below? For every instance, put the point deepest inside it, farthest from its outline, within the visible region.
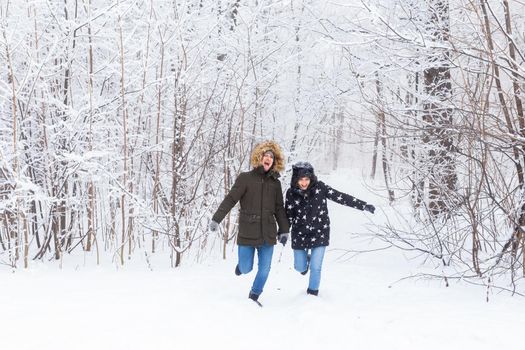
(364, 302)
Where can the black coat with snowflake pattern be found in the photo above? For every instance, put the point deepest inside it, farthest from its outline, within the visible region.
(307, 213)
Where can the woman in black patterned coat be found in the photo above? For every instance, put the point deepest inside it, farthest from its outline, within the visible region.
(307, 212)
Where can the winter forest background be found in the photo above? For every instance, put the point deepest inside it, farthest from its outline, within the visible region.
(124, 123)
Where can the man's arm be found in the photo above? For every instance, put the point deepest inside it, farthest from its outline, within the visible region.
(236, 192)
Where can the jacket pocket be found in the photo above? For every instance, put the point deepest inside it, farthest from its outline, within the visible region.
(249, 225)
(270, 226)
(271, 219)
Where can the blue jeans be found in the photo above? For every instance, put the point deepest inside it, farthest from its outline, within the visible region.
(264, 257)
(316, 263)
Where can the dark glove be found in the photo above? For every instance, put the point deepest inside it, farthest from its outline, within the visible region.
(213, 226)
(282, 238)
(370, 208)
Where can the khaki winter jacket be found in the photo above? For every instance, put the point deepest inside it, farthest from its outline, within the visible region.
(261, 200)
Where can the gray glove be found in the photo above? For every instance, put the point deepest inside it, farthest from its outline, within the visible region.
(282, 238)
(370, 208)
(213, 226)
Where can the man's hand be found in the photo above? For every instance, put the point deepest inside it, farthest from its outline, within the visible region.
(282, 238)
(213, 226)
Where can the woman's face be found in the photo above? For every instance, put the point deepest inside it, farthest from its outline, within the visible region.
(304, 182)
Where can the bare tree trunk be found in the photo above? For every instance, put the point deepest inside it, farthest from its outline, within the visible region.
(501, 96)
(339, 127)
(376, 148)
(124, 237)
(91, 190)
(227, 184)
(11, 80)
(26, 241)
(298, 84)
(156, 184)
(179, 126)
(438, 117)
(418, 183)
(519, 234)
(381, 129)
(12, 233)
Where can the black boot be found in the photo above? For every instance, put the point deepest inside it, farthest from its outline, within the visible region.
(312, 291)
(307, 265)
(254, 297)
(237, 271)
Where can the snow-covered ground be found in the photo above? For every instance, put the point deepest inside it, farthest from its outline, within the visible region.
(362, 304)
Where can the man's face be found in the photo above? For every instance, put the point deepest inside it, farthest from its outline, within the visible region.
(267, 161)
(304, 182)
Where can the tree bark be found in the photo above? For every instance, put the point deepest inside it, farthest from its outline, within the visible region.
(438, 116)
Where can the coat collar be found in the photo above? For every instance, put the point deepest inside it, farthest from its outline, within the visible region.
(308, 191)
(271, 173)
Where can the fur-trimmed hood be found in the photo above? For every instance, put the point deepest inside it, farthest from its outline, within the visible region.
(258, 151)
